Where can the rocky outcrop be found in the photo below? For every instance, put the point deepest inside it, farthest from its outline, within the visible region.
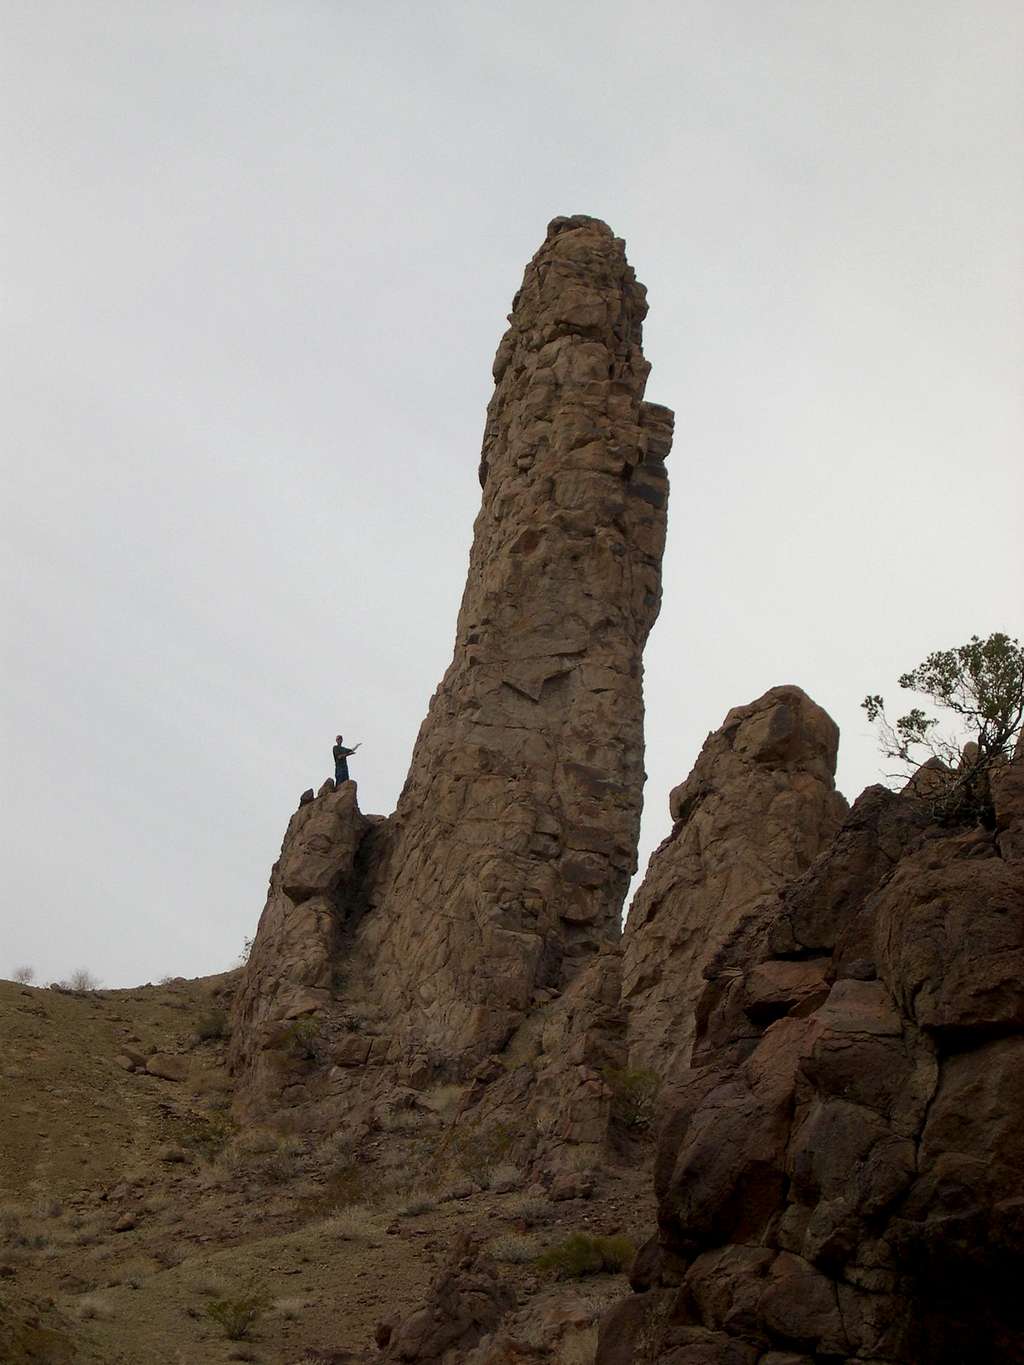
(464, 1305)
(293, 963)
(501, 874)
(843, 1176)
(758, 807)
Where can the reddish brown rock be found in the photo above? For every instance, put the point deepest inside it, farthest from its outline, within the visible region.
(515, 836)
(844, 1174)
(758, 807)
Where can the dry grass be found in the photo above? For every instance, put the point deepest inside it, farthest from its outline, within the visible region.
(93, 1307)
(357, 1223)
(513, 1249)
(504, 1176)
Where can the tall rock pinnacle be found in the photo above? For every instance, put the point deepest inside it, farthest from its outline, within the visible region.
(515, 836)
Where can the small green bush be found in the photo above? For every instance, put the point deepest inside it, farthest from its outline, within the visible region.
(237, 1317)
(583, 1254)
(634, 1095)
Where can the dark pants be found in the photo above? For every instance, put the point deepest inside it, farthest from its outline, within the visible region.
(340, 771)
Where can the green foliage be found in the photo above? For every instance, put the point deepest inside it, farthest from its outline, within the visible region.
(634, 1095)
(237, 1317)
(981, 684)
(583, 1254)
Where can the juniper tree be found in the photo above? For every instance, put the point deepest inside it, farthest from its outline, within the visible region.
(981, 684)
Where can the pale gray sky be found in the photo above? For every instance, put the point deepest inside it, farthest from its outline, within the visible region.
(257, 257)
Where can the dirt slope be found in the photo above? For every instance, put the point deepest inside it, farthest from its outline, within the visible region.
(129, 1204)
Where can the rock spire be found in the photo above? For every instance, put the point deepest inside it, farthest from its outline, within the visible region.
(515, 836)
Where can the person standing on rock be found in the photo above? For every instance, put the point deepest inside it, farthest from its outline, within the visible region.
(341, 755)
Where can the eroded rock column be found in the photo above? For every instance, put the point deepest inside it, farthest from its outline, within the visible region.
(515, 836)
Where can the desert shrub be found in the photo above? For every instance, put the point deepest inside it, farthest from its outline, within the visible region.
(583, 1254)
(25, 975)
(512, 1249)
(290, 1309)
(93, 1307)
(82, 979)
(477, 1151)
(354, 1224)
(212, 1024)
(303, 1039)
(236, 1317)
(531, 1211)
(276, 1168)
(343, 1187)
(634, 1095)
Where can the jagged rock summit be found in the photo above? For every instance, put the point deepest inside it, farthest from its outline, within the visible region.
(758, 807)
(503, 869)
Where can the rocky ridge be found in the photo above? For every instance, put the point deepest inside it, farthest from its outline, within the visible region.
(842, 1177)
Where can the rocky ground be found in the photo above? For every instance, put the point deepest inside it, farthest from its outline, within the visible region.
(131, 1205)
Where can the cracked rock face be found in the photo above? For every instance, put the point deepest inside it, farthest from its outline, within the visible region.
(843, 1174)
(758, 807)
(515, 836)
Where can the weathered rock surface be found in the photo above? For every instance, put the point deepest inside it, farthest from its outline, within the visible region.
(293, 960)
(843, 1176)
(515, 837)
(502, 872)
(758, 807)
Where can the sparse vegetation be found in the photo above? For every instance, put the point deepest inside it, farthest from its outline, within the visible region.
(513, 1249)
(354, 1224)
(212, 1024)
(477, 1151)
(236, 1317)
(583, 1254)
(531, 1211)
(81, 979)
(302, 1038)
(24, 975)
(94, 1307)
(634, 1095)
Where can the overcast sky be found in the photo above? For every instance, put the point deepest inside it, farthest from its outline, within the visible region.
(256, 260)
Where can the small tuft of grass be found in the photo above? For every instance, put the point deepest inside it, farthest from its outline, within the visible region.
(93, 1307)
(583, 1254)
(354, 1224)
